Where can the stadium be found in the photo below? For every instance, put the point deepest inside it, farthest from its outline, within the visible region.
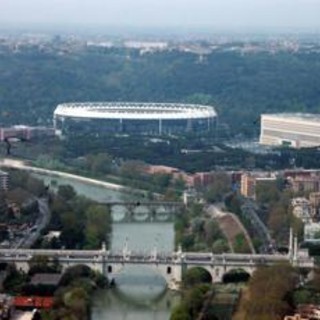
(134, 118)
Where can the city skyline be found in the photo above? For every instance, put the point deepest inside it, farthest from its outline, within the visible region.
(230, 14)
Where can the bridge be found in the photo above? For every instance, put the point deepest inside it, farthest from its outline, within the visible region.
(126, 211)
(143, 211)
(169, 265)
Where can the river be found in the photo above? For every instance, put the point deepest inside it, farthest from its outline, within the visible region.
(141, 293)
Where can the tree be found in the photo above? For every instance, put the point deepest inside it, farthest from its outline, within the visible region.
(99, 163)
(315, 283)
(278, 222)
(72, 233)
(220, 246)
(211, 232)
(267, 193)
(240, 244)
(66, 192)
(39, 263)
(220, 186)
(75, 272)
(3, 204)
(98, 225)
(303, 296)
(180, 312)
(277, 281)
(196, 276)
(233, 203)
(161, 180)
(132, 169)
(195, 299)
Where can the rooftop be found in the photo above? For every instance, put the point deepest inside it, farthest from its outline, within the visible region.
(295, 116)
(46, 278)
(134, 110)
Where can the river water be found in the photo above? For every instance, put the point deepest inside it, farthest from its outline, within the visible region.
(140, 293)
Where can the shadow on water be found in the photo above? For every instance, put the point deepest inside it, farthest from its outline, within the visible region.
(141, 300)
(139, 294)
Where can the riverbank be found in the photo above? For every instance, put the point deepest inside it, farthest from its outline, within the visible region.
(134, 284)
(18, 164)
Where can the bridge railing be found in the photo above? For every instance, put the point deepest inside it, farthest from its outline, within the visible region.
(193, 258)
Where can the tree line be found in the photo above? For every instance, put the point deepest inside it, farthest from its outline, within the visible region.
(240, 86)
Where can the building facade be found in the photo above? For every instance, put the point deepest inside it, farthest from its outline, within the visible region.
(250, 181)
(301, 209)
(314, 198)
(25, 132)
(295, 130)
(304, 184)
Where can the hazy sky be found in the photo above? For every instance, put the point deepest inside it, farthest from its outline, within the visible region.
(216, 13)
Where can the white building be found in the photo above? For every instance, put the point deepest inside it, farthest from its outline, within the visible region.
(301, 209)
(295, 130)
(312, 232)
(147, 45)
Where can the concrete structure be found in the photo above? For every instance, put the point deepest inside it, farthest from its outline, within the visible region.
(6, 306)
(250, 181)
(297, 316)
(25, 132)
(309, 311)
(141, 211)
(301, 209)
(297, 130)
(312, 232)
(314, 199)
(248, 186)
(52, 279)
(301, 173)
(189, 197)
(203, 179)
(4, 180)
(169, 265)
(134, 118)
(304, 184)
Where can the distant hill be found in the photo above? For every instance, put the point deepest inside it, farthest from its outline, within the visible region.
(240, 86)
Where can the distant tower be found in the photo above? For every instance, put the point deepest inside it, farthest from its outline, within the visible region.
(290, 252)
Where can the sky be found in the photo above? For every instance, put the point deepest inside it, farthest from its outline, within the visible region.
(229, 14)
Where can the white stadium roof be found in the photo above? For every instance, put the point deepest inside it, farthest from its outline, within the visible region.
(134, 111)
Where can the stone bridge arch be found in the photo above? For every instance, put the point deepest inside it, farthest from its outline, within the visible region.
(237, 275)
(248, 269)
(218, 271)
(94, 264)
(214, 271)
(119, 212)
(171, 273)
(143, 212)
(195, 274)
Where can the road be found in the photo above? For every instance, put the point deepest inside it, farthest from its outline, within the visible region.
(42, 221)
(250, 211)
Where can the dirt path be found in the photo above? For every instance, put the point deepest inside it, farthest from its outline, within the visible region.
(230, 225)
